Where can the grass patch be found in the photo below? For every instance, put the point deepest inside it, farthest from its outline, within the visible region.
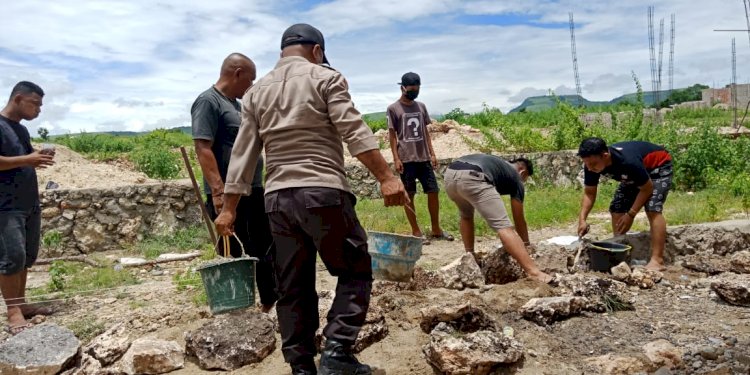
(190, 282)
(70, 277)
(86, 329)
(183, 240)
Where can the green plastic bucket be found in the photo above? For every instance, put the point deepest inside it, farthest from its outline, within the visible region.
(229, 283)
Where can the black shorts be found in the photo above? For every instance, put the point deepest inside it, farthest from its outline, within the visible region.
(19, 240)
(422, 171)
(625, 195)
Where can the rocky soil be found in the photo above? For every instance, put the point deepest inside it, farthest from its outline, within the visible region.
(679, 322)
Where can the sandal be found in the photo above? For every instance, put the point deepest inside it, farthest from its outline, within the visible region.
(14, 330)
(443, 236)
(425, 240)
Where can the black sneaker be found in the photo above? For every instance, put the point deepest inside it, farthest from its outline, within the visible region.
(337, 359)
(307, 368)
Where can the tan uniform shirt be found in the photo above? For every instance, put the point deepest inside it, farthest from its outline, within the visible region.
(300, 112)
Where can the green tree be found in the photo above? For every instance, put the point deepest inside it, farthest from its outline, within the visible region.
(43, 133)
(689, 94)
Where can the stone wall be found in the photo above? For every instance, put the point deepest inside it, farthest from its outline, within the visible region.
(561, 168)
(91, 220)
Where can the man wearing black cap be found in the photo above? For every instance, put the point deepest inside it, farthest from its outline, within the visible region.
(300, 112)
(413, 155)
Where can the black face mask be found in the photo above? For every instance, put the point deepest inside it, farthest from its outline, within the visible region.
(412, 94)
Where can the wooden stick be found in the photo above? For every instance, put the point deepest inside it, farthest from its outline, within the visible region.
(70, 258)
(184, 257)
(206, 216)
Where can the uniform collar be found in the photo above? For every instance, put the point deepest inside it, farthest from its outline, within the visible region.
(291, 59)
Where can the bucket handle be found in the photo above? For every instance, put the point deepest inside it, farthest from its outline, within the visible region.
(227, 253)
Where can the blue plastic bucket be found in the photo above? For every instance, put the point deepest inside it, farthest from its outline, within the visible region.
(393, 256)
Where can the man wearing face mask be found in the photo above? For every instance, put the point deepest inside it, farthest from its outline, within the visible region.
(300, 113)
(476, 182)
(413, 155)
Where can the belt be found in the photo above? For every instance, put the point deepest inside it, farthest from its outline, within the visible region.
(464, 166)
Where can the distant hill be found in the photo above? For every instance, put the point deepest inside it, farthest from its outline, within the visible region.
(538, 103)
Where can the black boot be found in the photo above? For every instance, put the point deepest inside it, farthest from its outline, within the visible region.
(304, 368)
(337, 359)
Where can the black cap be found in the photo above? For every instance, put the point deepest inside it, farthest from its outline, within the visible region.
(410, 79)
(303, 33)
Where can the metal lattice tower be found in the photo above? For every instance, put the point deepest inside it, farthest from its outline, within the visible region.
(747, 16)
(651, 48)
(575, 58)
(661, 55)
(671, 55)
(734, 82)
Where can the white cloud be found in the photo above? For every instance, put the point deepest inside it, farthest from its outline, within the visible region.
(132, 65)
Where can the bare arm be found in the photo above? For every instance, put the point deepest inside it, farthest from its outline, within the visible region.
(519, 220)
(393, 140)
(390, 185)
(210, 168)
(433, 156)
(643, 195)
(587, 203)
(36, 160)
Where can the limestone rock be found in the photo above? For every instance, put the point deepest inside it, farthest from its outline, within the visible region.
(644, 278)
(499, 267)
(232, 340)
(621, 272)
(741, 262)
(733, 288)
(151, 356)
(706, 263)
(45, 349)
(462, 273)
(110, 345)
(546, 310)
(464, 317)
(90, 366)
(662, 353)
(476, 353)
(616, 365)
(373, 330)
(600, 292)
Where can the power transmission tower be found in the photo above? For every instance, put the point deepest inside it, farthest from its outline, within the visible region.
(575, 58)
(651, 48)
(671, 55)
(734, 82)
(661, 54)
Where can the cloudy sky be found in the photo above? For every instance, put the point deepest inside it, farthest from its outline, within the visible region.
(138, 64)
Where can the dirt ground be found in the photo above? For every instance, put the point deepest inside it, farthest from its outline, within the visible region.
(673, 310)
(73, 171)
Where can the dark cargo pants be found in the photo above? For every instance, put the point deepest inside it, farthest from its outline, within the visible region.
(252, 228)
(306, 222)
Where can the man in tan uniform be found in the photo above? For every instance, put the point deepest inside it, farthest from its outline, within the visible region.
(300, 112)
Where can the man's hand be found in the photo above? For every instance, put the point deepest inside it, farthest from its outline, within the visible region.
(225, 223)
(393, 192)
(583, 228)
(623, 224)
(399, 165)
(433, 160)
(39, 160)
(218, 201)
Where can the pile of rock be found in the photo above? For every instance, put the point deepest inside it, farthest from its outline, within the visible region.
(464, 339)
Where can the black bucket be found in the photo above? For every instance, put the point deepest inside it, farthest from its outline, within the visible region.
(605, 255)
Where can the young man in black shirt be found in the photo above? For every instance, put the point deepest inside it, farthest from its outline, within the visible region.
(20, 218)
(644, 171)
